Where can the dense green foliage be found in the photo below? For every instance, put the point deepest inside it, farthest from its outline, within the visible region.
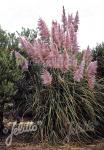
(11, 40)
(9, 74)
(98, 54)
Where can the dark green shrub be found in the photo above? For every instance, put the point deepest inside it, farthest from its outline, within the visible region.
(9, 74)
(98, 54)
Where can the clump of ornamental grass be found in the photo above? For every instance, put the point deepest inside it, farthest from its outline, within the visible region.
(65, 97)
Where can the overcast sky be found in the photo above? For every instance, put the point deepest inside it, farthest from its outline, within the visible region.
(17, 13)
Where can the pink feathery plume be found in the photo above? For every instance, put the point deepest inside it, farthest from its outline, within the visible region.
(78, 75)
(70, 20)
(64, 19)
(20, 60)
(52, 56)
(91, 82)
(61, 35)
(73, 38)
(87, 55)
(73, 35)
(76, 22)
(51, 53)
(92, 68)
(59, 62)
(43, 50)
(54, 48)
(67, 41)
(91, 72)
(25, 43)
(53, 59)
(65, 61)
(56, 61)
(73, 63)
(46, 78)
(38, 50)
(24, 65)
(44, 32)
(27, 46)
(37, 47)
(75, 47)
(71, 31)
(56, 33)
(50, 61)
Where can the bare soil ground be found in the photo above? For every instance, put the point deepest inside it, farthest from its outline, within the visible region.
(19, 145)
